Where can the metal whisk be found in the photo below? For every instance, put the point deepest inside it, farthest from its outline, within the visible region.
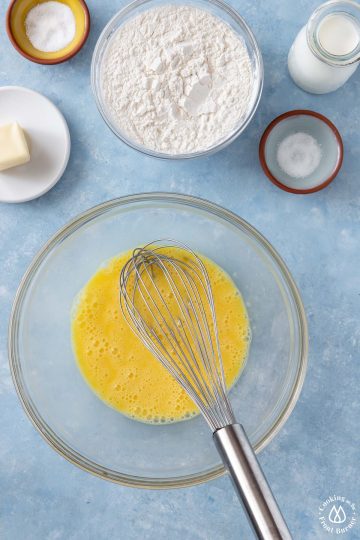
(183, 336)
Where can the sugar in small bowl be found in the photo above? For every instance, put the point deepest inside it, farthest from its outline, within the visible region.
(48, 31)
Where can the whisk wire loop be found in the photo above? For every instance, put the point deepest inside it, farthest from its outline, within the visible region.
(185, 352)
(185, 337)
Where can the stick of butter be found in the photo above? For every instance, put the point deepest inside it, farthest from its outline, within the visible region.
(13, 146)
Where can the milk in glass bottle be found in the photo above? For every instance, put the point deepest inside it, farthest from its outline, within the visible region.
(326, 52)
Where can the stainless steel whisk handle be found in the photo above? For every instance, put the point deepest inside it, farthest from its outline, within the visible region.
(250, 483)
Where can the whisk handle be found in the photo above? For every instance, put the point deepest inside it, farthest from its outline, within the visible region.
(250, 483)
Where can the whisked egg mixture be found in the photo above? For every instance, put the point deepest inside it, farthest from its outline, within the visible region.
(119, 368)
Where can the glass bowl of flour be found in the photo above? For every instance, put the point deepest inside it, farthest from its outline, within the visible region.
(177, 80)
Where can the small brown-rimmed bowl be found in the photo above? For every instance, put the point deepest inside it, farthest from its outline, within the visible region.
(15, 27)
(322, 130)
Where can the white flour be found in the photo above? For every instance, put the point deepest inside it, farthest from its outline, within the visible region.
(176, 79)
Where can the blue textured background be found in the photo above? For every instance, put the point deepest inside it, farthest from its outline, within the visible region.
(42, 497)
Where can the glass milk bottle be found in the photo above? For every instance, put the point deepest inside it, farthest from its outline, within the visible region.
(326, 52)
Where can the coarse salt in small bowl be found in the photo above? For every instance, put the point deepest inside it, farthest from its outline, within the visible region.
(310, 161)
(217, 8)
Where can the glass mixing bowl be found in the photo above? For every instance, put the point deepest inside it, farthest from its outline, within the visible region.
(215, 7)
(60, 403)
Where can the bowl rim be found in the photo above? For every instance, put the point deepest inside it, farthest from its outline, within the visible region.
(102, 43)
(47, 61)
(15, 366)
(278, 120)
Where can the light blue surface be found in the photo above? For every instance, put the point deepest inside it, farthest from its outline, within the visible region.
(318, 452)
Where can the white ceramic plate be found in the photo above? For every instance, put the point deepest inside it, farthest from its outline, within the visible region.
(49, 143)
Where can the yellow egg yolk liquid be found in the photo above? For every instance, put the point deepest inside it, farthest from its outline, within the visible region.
(122, 371)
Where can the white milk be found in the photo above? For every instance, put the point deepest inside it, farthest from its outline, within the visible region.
(337, 35)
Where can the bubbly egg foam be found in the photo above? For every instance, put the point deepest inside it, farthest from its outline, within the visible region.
(122, 371)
